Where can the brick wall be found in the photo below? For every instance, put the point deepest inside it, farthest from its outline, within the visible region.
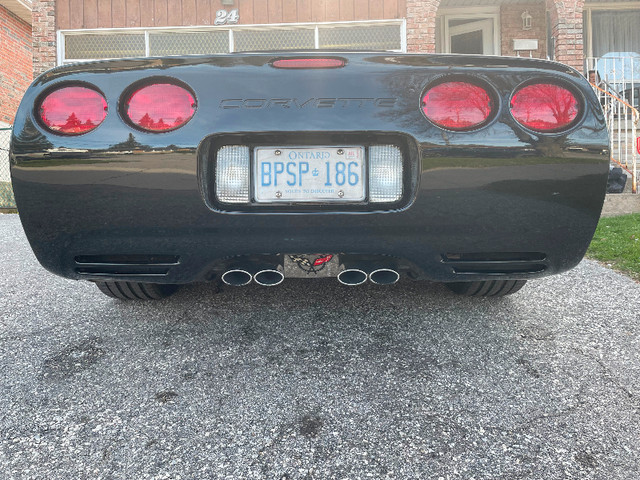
(15, 62)
(511, 27)
(44, 35)
(421, 25)
(566, 28)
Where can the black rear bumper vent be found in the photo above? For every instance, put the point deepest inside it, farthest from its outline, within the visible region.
(496, 263)
(125, 265)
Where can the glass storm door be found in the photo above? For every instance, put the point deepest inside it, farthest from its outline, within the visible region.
(471, 36)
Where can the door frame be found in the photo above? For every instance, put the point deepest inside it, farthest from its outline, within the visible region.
(491, 14)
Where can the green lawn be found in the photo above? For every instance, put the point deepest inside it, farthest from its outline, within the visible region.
(617, 244)
(6, 196)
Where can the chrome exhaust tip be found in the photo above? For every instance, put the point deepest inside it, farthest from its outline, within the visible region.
(269, 278)
(236, 278)
(352, 276)
(384, 276)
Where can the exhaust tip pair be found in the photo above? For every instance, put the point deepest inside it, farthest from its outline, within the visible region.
(270, 277)
(380, 276)
(240, 278)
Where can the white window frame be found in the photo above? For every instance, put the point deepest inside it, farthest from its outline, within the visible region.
(586, 18)
(469, 13)
(61, 34)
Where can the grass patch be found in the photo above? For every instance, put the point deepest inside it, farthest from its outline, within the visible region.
(617, 244)
(6, 196)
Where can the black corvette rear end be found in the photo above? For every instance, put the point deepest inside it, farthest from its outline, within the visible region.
(371, 179)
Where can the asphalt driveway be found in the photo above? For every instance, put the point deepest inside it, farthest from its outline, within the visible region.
(313, 380)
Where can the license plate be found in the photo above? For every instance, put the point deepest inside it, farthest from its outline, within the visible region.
(309, 174)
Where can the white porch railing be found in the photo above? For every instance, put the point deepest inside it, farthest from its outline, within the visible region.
(616, 82)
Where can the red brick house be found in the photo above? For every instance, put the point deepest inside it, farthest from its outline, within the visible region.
(16, 69)
(563, 30)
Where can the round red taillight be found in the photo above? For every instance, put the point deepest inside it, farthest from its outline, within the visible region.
(160, 107)
(544, 107)
(457, 105)
(73, 110)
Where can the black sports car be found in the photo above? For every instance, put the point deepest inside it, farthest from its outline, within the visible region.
(143, 174)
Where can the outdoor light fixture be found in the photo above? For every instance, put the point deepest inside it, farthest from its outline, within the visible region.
(526, 20)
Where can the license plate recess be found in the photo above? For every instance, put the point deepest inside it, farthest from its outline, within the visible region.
(318, 174)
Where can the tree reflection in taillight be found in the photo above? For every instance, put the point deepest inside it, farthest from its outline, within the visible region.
(73, 110)
(544, 107)
(457, 105)
(160, 107)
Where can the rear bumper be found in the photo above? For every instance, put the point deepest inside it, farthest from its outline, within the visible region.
(474, 201)
(545, 213)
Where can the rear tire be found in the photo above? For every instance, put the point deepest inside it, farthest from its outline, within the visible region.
(486, 288)
(136, 290)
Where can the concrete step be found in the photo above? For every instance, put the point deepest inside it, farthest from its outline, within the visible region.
(620, 204)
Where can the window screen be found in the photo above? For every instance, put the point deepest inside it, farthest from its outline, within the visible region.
(367, 37)
(122, 43)
(188, 43)
(274, 39)
(111, 45)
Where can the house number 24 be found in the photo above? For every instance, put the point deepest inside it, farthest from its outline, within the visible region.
(222, 17)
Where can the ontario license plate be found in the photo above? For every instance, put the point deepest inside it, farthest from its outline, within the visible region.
(309, 174)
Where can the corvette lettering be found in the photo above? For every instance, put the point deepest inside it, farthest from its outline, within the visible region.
(300, 103)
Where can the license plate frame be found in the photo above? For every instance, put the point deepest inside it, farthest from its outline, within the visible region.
(315, 174)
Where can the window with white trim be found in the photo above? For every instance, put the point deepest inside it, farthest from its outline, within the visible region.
(100, 44)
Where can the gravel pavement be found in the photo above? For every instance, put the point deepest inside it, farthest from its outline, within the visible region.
(313, 380)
